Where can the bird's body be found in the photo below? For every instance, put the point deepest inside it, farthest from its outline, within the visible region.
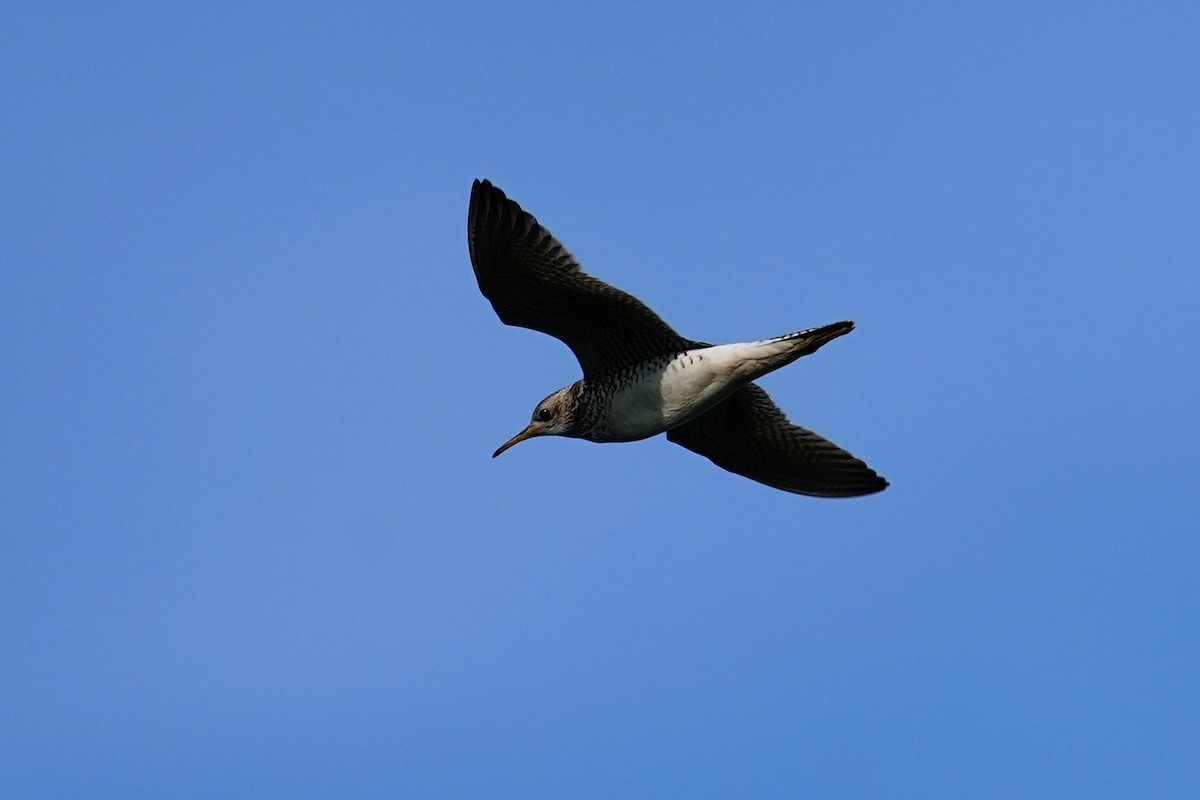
(640, 377)
(666, 392)
(659, 394)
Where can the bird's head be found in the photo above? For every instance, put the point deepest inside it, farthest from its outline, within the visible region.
(554, 416)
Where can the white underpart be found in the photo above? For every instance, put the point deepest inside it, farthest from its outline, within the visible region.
(691, 384)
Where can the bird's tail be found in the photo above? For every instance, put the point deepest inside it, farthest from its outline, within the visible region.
(804, 342)
(768, 355)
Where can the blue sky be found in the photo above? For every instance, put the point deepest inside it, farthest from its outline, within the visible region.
(255, 545)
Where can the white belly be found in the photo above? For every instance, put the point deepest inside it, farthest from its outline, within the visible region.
(695, 381)
(691, 384)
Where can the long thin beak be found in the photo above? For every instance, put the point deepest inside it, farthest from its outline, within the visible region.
(520, 437)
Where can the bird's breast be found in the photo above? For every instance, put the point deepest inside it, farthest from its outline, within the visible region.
(656, 397)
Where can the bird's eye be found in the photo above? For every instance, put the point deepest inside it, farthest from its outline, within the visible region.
(543, 414)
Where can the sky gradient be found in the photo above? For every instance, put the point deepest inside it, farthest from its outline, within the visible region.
(255, 544)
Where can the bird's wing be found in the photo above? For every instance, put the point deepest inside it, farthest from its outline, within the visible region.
(533, 282)
(749, 435)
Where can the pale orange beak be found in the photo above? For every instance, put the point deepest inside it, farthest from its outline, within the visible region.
(528, 433)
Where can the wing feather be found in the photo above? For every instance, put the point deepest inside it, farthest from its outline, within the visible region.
(533, 282)
(749, 435)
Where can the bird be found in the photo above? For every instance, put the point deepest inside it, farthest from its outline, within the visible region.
(640, 377)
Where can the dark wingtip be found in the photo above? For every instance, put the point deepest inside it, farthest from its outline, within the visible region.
(489, 198)
(481, 188)
(483, 185)
(867, 481)
(485, 200)
(863, 483)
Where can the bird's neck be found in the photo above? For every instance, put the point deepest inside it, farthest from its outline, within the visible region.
(589, 408)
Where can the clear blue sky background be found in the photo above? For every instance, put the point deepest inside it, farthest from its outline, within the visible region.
(253, 541)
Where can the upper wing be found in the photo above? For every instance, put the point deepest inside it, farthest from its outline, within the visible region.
(533, 282)
(749, 435)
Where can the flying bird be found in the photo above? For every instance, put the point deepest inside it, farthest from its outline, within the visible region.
(640, 377)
